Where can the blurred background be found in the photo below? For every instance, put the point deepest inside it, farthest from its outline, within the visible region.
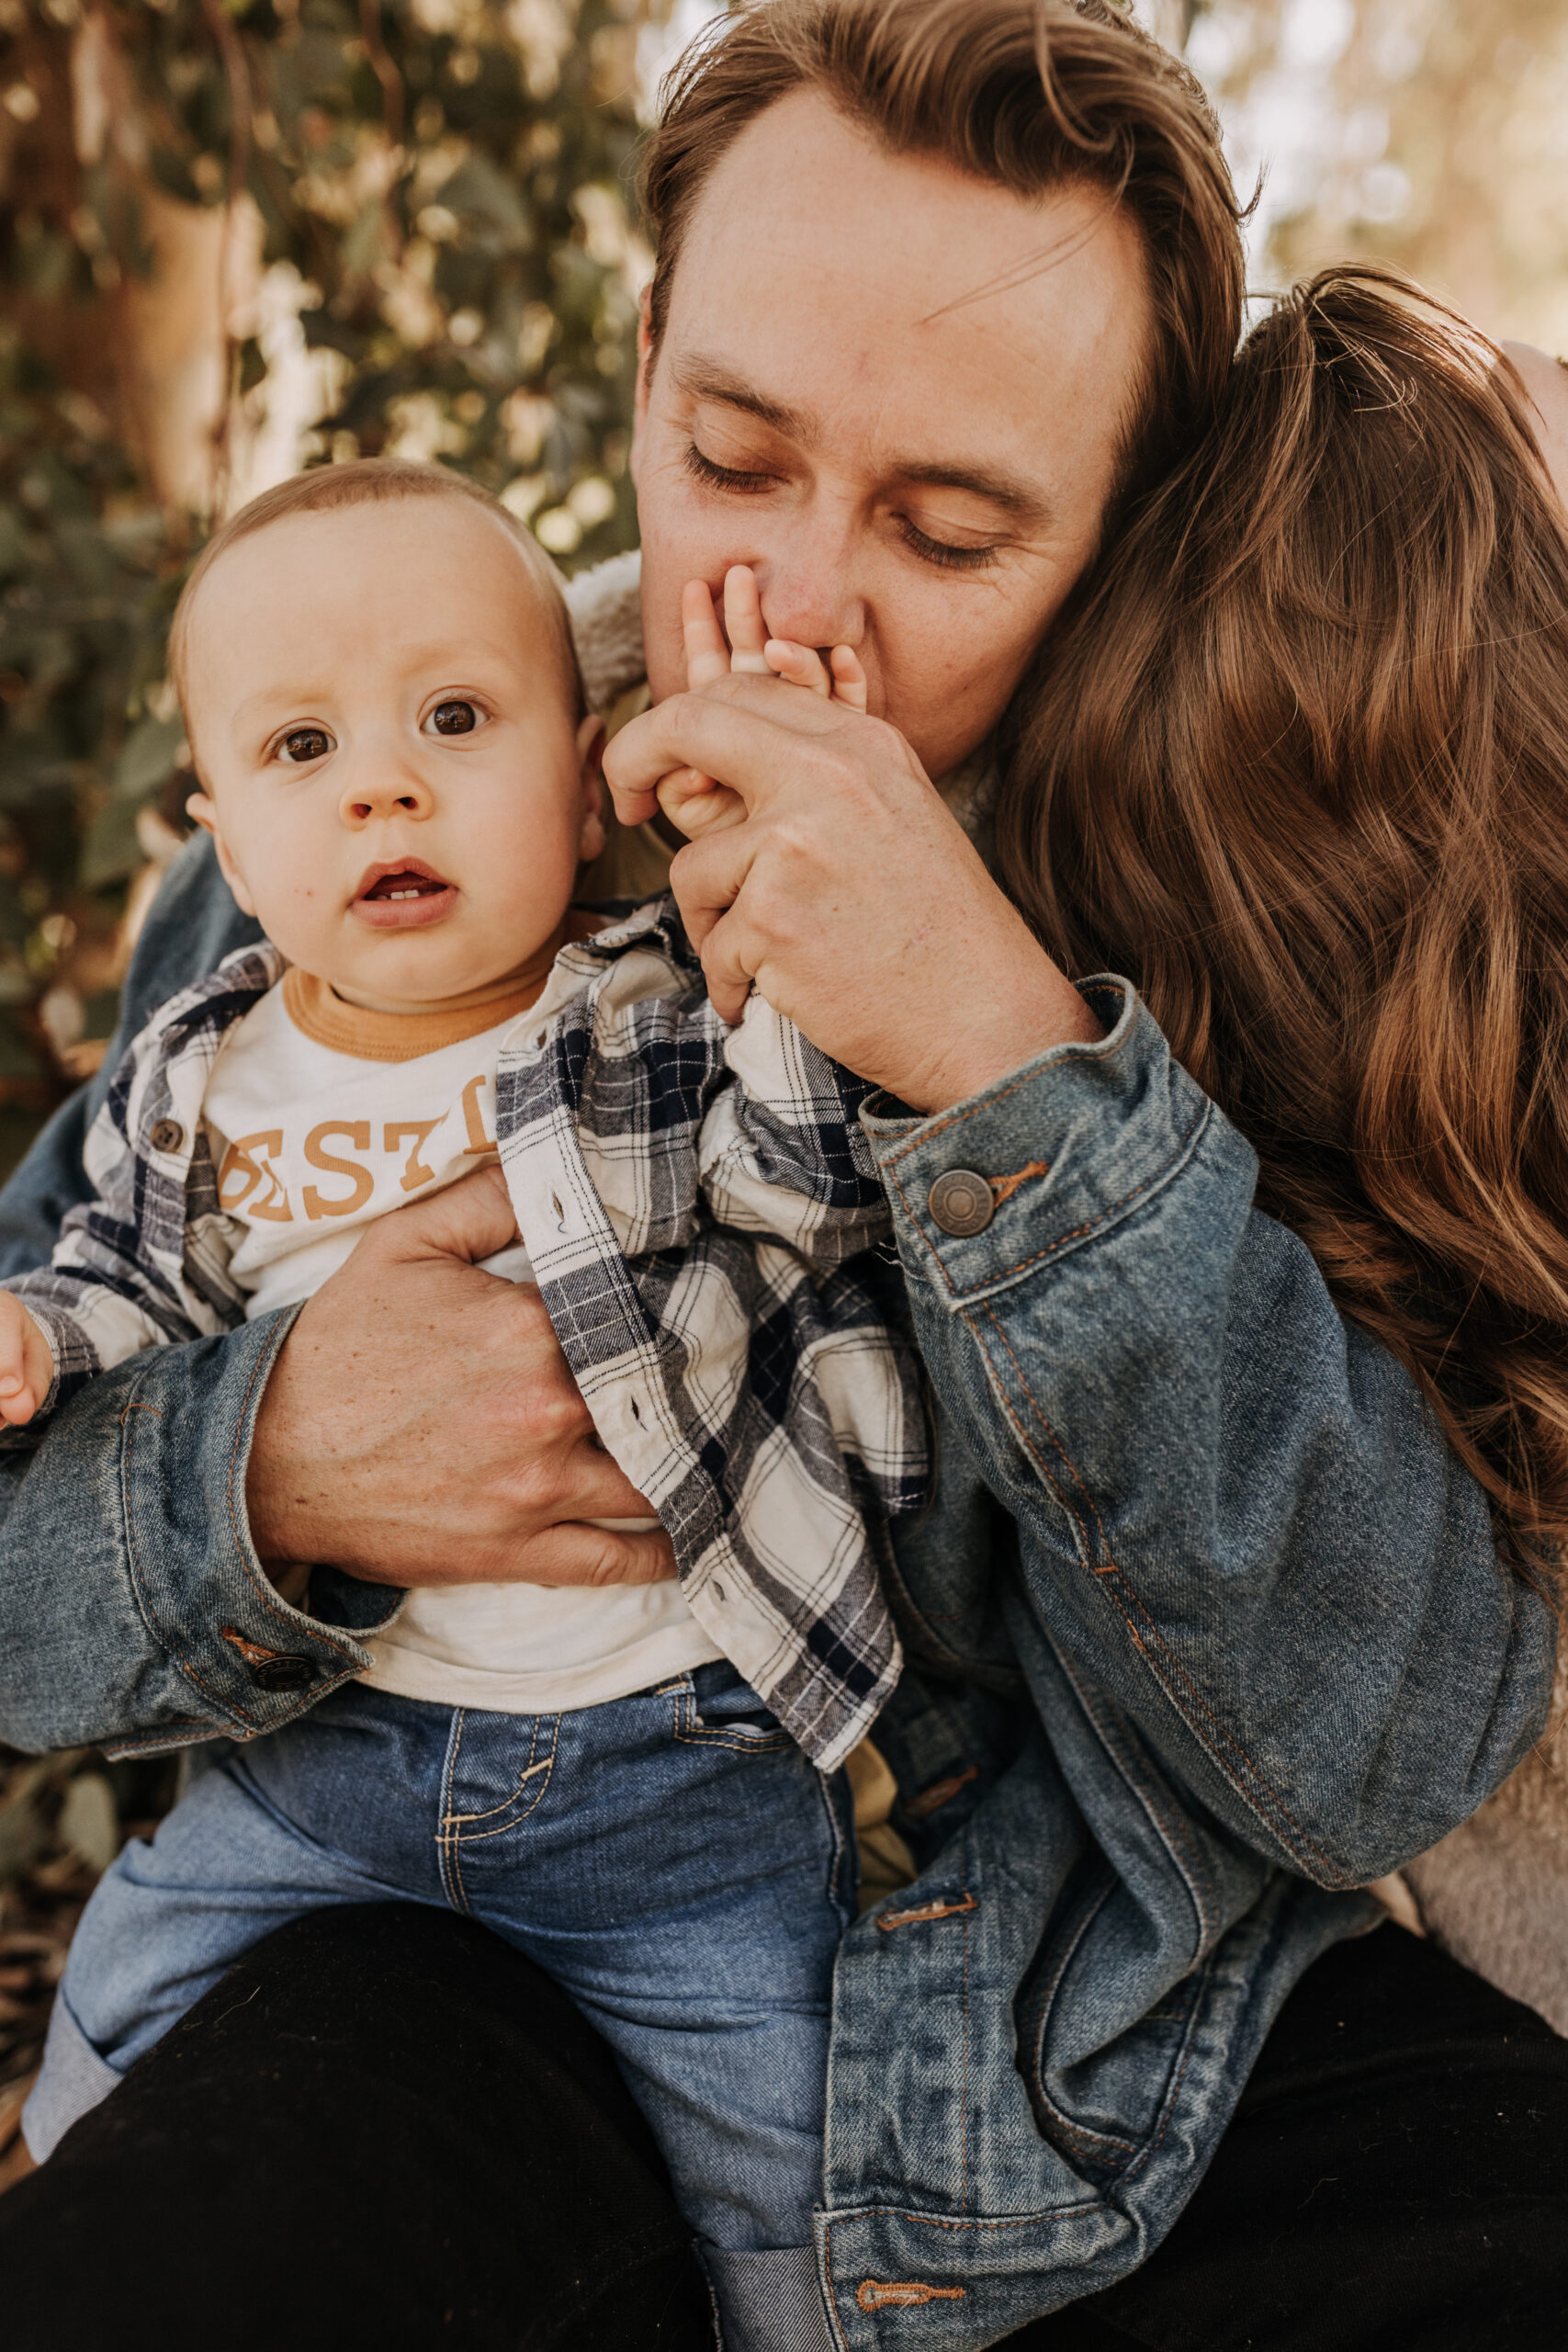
(239, 237)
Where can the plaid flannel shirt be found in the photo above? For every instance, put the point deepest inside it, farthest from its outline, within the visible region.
(691, 1197)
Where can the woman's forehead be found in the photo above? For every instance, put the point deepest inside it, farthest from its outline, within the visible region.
(895, 308)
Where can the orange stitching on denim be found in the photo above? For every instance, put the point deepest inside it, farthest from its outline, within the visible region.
(1004, 1187)
(134, 1407)
(1062, 1455)
(929, 1911)
(1152, 1635)
(456, 1824)
(883, 2294)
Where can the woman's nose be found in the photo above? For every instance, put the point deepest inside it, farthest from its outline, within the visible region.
(385, 789)
(808, 587)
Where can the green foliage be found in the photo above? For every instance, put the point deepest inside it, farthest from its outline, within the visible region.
(441, 184)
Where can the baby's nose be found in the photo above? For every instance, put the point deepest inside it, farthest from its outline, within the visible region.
(384, 795)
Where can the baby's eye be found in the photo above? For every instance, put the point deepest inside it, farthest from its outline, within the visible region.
(303, 744)
(452, 718)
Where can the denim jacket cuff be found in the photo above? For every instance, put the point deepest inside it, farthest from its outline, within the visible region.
(1060, 1150)
(249, 1659)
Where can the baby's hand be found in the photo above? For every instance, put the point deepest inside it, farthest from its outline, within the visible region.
(27, 1362)
(693, 802)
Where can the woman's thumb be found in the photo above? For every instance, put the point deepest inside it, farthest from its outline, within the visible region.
(471, 1219)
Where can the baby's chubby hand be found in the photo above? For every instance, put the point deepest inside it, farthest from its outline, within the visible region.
(693, 802)
(27, 1362)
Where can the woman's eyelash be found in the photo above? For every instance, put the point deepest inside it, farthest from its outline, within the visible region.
(703, 470)
(942, 552)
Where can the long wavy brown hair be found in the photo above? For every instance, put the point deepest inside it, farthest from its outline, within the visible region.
(1298, 765)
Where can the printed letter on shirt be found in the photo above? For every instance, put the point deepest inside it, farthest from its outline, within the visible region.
(358, 1134)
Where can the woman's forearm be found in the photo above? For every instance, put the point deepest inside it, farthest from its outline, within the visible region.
(134, 1611)
(1237, 1516)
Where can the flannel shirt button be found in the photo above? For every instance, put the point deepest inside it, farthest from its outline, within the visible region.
(961, 1203)
(282, 1673)
(167, 1135)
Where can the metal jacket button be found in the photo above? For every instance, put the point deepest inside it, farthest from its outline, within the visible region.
(282, 1673)
(168, 1135)
(961, 1202)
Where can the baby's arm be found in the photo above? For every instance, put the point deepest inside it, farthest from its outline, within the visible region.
(27, 1362)
(694, 802)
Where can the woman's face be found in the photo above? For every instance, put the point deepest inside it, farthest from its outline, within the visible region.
(897, 393)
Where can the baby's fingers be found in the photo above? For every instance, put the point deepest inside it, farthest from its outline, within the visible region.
(707, 656)
(743, 621)
(849, 678)
(18, 1403)
(798, 664)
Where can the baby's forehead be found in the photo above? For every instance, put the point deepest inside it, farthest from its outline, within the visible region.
(406, 572)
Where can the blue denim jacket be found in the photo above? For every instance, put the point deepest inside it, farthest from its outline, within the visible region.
(1205, 1629)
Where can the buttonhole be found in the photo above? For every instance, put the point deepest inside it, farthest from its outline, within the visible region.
(560, 1212)
(718, 1591)
(636, 1414)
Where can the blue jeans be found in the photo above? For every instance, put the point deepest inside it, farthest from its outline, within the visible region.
(671, 1859)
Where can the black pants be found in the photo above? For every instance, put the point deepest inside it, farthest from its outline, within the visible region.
(385, 2129)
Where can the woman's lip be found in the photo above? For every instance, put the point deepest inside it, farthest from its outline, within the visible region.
(406, 914)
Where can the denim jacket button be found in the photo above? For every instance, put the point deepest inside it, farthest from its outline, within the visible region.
(167, 1135)
(282, 1673)
(961, 1202)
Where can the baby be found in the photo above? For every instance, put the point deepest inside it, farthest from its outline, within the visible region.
(638, 1786)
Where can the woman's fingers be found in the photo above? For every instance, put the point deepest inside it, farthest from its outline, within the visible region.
(738, 729)
(471, 1219)
(574, 1554)
(743, 622)
(707, 656)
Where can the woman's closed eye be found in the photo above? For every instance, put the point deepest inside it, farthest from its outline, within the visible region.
(946, 555)
(731, 478)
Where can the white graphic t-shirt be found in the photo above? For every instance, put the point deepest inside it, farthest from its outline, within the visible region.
(322, 1117)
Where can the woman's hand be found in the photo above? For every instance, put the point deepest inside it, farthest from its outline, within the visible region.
(422, 1427)
(849, 894)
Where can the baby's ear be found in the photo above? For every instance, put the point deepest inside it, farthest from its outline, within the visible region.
(591, 754)
(203, 811)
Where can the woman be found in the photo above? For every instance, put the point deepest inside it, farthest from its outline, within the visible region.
(1170, 1473)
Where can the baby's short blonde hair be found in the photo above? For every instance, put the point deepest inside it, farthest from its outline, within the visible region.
(369, 481)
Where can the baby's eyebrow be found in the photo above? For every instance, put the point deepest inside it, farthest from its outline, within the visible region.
(703, 379)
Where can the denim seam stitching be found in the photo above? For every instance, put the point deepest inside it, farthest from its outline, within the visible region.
(1037, 2011)
(1167, 1826)
(230, 1707)
(450, 1862)
(544, 1768)
(1113, 1577)
(265, 1592)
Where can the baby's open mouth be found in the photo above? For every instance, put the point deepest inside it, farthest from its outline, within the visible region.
(395, 896)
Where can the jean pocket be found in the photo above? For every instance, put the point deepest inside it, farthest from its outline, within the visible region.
(725, 1711)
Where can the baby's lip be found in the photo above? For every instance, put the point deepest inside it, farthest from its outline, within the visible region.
(403, 894)
(411, 871)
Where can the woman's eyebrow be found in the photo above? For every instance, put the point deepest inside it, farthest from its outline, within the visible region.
(707, 379)
(1021, 500)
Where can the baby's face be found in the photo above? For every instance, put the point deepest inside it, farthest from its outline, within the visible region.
(399, 786)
